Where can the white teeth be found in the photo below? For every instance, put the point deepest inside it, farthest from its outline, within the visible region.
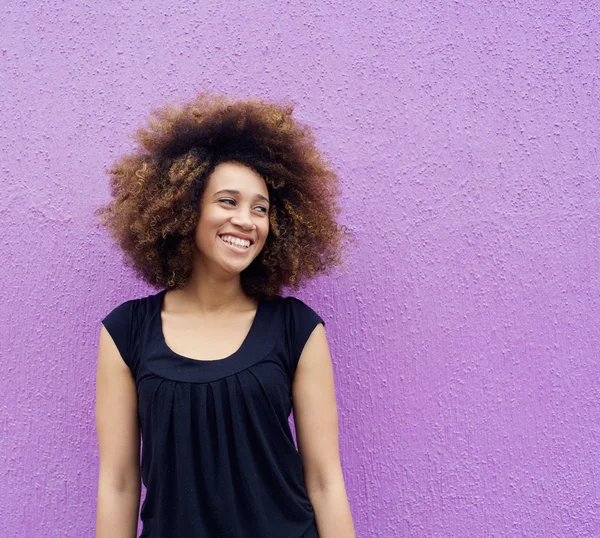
(243, 243)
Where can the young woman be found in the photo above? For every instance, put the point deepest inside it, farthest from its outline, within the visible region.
(222, 204)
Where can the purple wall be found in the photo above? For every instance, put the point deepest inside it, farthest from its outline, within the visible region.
(465, 332)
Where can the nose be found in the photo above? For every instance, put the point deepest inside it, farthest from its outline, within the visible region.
(243, 219)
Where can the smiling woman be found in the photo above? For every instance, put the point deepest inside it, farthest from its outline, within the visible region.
(238, 225)
(157, 191)
(223, 204)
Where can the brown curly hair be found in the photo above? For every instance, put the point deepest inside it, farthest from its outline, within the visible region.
(157, 189)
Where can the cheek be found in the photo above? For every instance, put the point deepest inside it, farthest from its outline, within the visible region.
(264, 231)
(203, 232)
(266, 223)
(208, 223)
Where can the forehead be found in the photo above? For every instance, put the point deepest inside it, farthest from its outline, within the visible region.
(236, 176)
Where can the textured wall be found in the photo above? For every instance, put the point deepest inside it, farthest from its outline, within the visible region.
(465, 330)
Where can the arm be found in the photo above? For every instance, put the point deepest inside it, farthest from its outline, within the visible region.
(316, 420)
(118, 434)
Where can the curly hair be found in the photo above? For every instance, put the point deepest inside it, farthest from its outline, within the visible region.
(157, 189)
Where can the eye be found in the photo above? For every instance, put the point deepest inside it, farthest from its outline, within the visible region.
(231, 201)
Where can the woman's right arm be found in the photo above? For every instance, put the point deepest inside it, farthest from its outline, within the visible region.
(118, 432)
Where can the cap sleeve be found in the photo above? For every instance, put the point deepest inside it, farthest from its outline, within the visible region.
(301, 320)
(120, 324)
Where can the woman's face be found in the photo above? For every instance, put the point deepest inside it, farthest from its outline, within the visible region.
(234, 219)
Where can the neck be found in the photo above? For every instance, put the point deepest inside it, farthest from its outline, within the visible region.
(209, 295)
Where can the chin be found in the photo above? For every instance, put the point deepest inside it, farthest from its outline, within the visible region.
(235, 269)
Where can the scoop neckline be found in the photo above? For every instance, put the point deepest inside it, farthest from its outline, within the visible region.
(237, 353)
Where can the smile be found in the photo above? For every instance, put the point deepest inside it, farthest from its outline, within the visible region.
(239, 244)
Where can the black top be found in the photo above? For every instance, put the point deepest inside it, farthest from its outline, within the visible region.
(218, 456)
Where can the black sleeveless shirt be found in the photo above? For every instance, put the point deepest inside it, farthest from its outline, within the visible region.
(218, 456)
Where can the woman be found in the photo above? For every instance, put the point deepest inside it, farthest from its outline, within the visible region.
(222, 204)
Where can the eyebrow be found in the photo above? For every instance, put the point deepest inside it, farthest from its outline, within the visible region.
(233, 191)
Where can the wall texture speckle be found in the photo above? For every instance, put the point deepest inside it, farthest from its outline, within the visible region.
(464, 331)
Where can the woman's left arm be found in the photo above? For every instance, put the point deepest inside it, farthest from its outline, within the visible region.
(316, 420)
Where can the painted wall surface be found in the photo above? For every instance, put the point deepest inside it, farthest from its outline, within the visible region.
(465, 328)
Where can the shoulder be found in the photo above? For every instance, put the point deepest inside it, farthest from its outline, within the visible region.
(127, 315)
(122, 309)
(119, 315)
(300, 321)
(125, 310)
(299, 312)
(123, 323)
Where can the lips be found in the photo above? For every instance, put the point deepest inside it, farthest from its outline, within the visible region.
(236, 248)
(239, 236)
